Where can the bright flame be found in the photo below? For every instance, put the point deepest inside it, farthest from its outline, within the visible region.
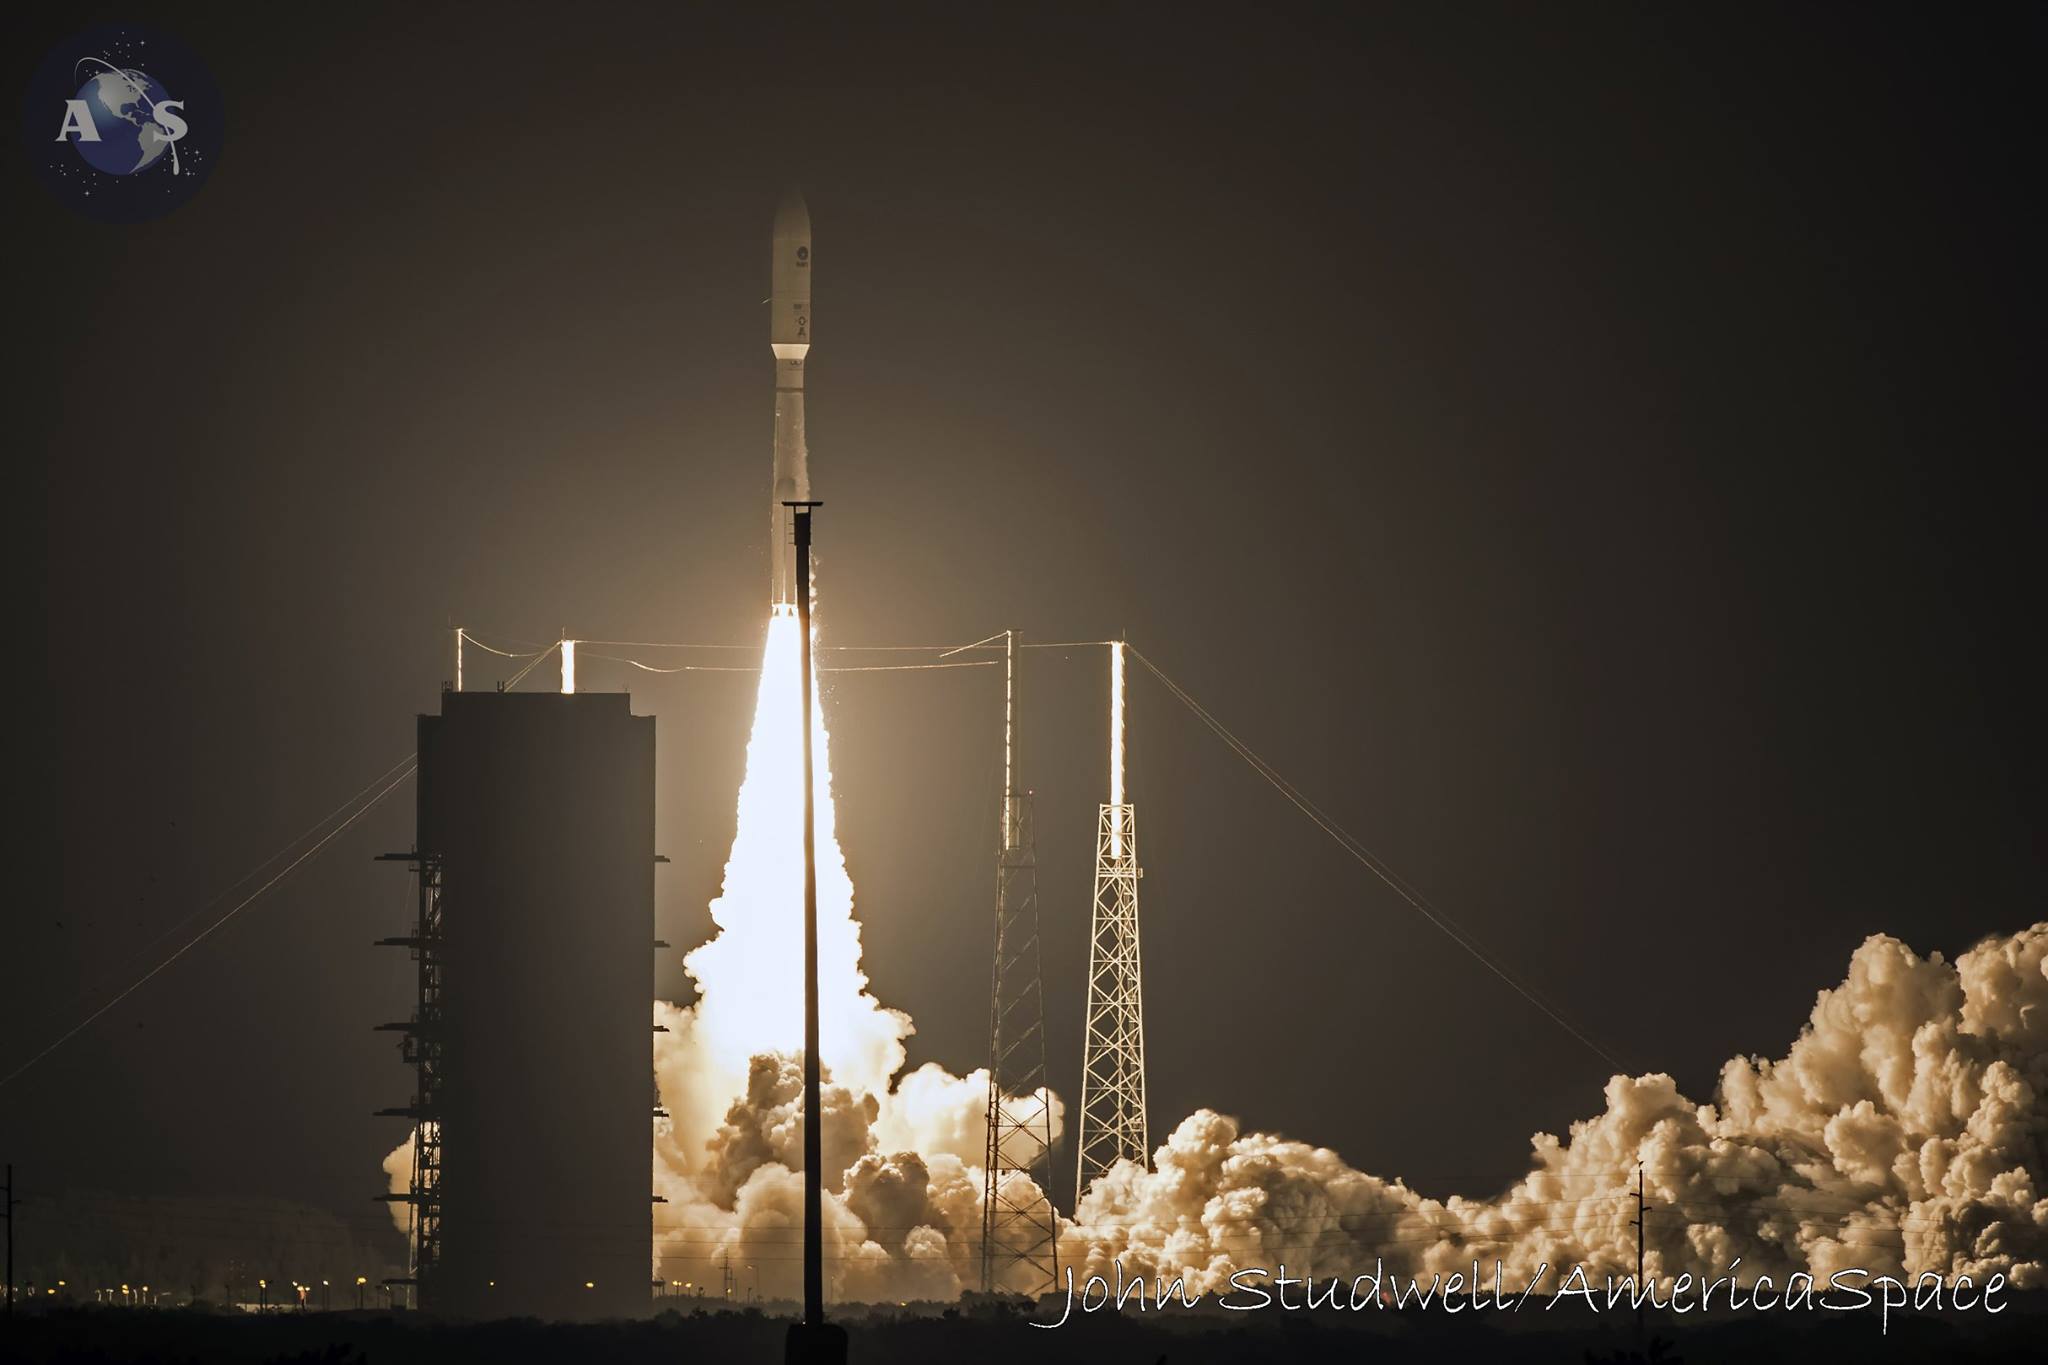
(750, 975)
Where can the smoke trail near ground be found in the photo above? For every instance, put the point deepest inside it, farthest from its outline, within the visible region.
(1905, 1130)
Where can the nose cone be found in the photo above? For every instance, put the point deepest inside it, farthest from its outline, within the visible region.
(789, 325)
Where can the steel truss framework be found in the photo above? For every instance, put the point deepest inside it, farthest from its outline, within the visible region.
(1019, 1231)
(1111, 1124)
(422, 1050)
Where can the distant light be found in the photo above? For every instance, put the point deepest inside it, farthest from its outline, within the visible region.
(568, 668)
(361, 1280)
(590, 1284)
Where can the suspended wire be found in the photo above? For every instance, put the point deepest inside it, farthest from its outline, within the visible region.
(650, 668)
(744, 668)
(258, 870)
(910, 668)
(905, 649)
(470, 633)
(657, 644)
(237, 909)
(943, 651)
(469, 639)
(983, 643)
(1415, 899)
(513, 681)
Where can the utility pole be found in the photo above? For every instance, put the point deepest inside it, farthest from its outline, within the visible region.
(814, 1148)
(1642, 1209)
(811, 1338)
(9, 1202)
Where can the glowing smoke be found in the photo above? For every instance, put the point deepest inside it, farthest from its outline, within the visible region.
(1906, 1130)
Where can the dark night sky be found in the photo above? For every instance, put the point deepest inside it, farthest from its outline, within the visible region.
(1589, 449)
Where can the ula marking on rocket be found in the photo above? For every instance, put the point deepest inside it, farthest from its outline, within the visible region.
(789, 332)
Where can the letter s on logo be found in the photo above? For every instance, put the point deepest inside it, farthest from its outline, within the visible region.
(167, 117)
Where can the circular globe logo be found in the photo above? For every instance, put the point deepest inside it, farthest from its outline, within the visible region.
(123, 123)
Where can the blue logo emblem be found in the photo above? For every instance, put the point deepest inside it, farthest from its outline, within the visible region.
(123, 123)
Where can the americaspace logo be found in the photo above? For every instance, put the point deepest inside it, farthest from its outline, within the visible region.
(123, 123)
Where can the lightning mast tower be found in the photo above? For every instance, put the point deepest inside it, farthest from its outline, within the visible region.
(1019, 1232)
(1111, 1126)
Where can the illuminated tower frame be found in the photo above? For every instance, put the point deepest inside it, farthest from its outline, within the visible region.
(1111, 1124)
(1019, 1229)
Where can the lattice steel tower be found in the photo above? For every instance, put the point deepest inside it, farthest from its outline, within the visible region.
(422, 1049)
(1019, 1231)
(1111, 1126)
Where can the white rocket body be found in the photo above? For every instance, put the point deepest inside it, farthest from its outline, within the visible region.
(789, 332)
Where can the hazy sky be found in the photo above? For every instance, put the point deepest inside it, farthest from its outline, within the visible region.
(1590, 451)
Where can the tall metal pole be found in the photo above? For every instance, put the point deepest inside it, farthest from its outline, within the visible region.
(10, 1202)
(1019, 1230)
(814, 1153)
(1641, 1222)
(811, 1340)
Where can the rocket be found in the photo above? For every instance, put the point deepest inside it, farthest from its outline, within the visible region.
(789, 332)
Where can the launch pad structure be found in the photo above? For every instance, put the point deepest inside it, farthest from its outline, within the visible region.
(1019, 1230)
(529, 1037)
(1111, 1123)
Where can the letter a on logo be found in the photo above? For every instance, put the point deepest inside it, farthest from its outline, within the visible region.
(78, 119)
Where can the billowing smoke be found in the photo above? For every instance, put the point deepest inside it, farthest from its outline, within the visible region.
(1904, 1131)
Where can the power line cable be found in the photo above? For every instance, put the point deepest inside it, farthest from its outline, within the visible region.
(196, 939)
(1394, 882)
(258, 870)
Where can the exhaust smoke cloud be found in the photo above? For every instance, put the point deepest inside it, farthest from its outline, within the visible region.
(1905, 1130)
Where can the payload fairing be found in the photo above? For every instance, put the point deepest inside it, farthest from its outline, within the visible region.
(789, 332)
